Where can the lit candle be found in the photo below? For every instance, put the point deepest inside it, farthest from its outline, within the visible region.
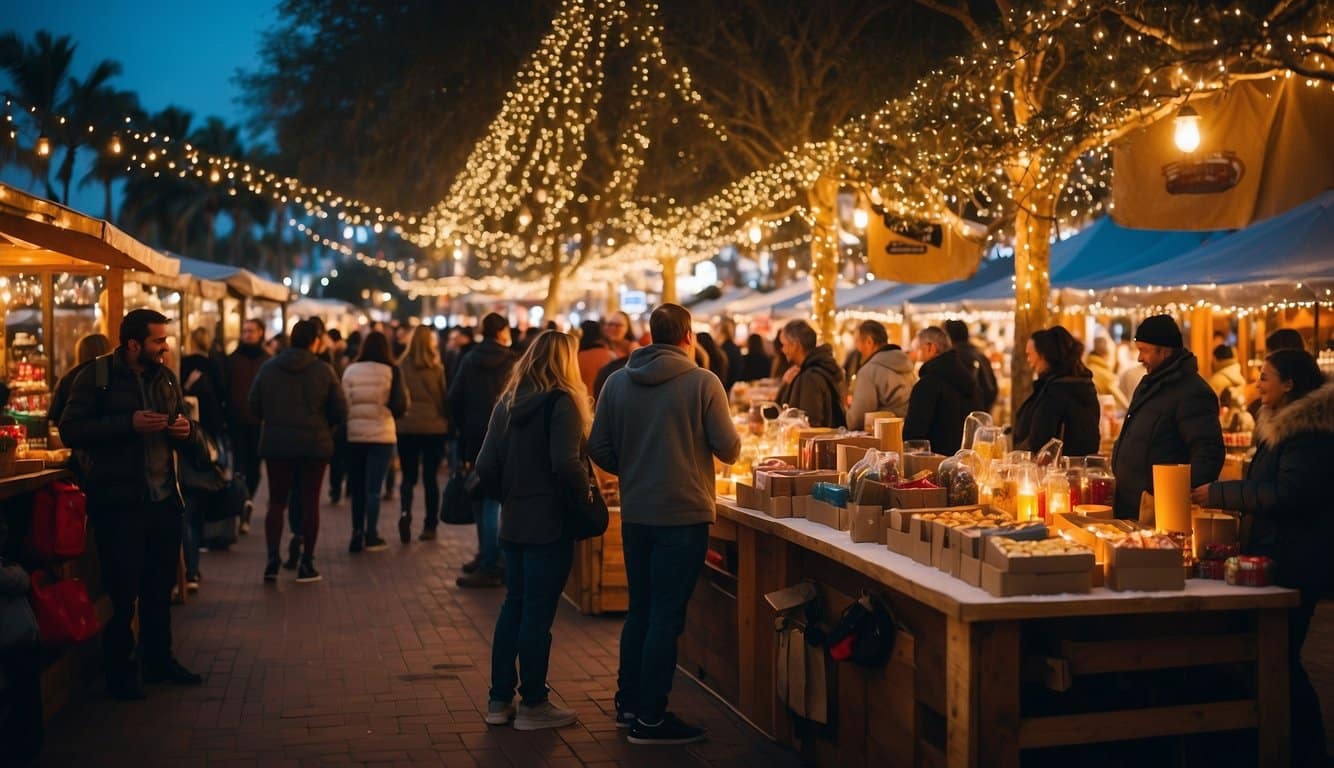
(1026, 504)
(1057, 503)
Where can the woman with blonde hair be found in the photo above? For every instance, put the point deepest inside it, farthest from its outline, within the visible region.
(533, 460)
(422, 429)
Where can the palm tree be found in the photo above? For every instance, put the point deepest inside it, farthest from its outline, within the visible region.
(111, 106)
(82, 108)
(217, 138)
(151, 206)
(38, 72)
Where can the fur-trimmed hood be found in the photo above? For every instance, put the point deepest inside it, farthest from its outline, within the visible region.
(1313, 413)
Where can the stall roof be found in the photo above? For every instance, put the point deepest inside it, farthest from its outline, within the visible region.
(243, 281)
(721, 305)
(1106, 250)
(803, 300)
(759, 303)
(1296, 246)
(37, 233)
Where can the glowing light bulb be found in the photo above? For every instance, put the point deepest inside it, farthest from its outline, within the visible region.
(1186, 133)
(860, 219)
(756, 234)
(43, 146)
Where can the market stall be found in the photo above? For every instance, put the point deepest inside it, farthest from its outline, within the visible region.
(249, 296)
(976, 679)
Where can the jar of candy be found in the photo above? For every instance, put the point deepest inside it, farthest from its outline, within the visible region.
(1058, 494)
(1099, 484)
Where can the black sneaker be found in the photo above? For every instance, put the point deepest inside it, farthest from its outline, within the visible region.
(624, 717)
(306, 573)
(374, 543)
(669, 730)
(171, 672)
(192, 581)
(358, 543)
(481, 579)
(271, 570)
(405, 528)
(427, 534)
(472, 565)
(293, 553)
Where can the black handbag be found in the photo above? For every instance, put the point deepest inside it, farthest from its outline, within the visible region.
(456, 506)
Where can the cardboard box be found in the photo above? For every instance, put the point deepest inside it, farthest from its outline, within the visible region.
(1009, 583)
(799, 505)
(790, 482)
(970, 569)
(824, 449)
(821, 512)
(747, 496)
(1130, 557)
(866, 523)
(791, 461)
(1067, 563)
(875, 493)
(918, 498)
(917, 462)
(1212, 527)
(848, 455)
(919, 531)
(868, 421)
(1124, 579)
(943, 556)
(1075, 528)
(779, 506)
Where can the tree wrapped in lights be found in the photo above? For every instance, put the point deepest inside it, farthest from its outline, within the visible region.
(1048, 85)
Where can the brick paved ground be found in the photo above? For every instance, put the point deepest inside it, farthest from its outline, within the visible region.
(385, 662)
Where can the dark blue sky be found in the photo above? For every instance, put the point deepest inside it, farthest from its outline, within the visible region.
(181, 52)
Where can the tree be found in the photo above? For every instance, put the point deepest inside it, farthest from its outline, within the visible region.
(1047, 83)
(109, 164)
(85, 105)
(38, 71)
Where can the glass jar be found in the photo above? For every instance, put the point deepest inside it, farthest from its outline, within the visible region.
(990, 443)
(1058, 494)
(974, 422)
(1099, 484)
(1026, 484)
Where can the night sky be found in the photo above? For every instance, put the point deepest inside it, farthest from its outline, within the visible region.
(171, 52)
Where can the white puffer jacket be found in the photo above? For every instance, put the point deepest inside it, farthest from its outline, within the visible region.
(375, 395)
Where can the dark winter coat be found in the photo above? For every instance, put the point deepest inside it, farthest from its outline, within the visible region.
(756, 366)
(481, 378)
(242, 367)
(944, 395)
(100, 423)
(1173, 419)
(207, 388)
(1284, 500)
(299, 400)
(817, 389)
(60, 397)
(984, 375)
(734, 362)
(1064, 407)
(534, 466)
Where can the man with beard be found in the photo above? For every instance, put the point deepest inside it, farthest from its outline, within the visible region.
(242, 366)
(127, 413)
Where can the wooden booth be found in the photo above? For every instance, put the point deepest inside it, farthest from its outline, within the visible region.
(978, 680)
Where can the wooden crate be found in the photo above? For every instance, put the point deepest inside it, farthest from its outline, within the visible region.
(597, 581)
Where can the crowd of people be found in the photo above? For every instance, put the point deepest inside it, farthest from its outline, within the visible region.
(520, 416)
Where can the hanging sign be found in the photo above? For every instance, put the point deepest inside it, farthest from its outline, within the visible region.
(918, 252)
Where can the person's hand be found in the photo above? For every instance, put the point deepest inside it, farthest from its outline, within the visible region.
(179, 428)
(790, 374)
(1200, 495)
(148, 422)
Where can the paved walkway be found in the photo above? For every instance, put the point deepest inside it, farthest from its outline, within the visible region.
(384, 662)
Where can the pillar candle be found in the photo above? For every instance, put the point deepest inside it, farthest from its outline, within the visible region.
(1171, 497)
(890, 434)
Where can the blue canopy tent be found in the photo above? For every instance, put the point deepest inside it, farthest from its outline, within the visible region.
(1293, 247)
(1105, 250)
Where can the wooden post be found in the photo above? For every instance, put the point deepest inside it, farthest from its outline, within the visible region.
(1244, 352)
(762, 567)
(1201, 333)
(1272, 687)
(981, 694)
(613, 298)
(668, 262)
(115, 288)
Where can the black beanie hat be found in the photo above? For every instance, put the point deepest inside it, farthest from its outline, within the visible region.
(1159, 330)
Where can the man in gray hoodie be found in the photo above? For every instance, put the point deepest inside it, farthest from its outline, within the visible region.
(885, 380)
(660, 423)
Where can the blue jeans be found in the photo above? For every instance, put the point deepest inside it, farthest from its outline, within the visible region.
(367, 464)
(662, 564)
(535, 574)
(192, 528)
(487, 514)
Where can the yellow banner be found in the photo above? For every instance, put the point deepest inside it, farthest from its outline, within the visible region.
(919, 252)
(1263, 149)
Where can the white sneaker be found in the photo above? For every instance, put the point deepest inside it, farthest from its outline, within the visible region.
(499, 712)
(544, 715)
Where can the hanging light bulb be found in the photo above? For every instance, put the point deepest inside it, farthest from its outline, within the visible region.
(215, 176)
(860, 218)
(1186, 133)
(115, 146)
(525, 218)
(43, 146)
(756, 234)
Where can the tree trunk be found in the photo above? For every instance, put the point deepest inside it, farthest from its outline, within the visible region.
(106, 199)
(552, 304)
(823, 199)
(668, 263)
(1032, 270)
(66, 173)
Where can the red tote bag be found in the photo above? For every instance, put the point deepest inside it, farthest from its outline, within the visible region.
(59, 521)
(64, 613)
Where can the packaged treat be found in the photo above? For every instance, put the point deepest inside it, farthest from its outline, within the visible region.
(1249, 571)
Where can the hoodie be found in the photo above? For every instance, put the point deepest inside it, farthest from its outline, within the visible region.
(532, 462)
(242, 367)
(945, 393)
(817, 389)
(298, 400)
(1229, 375)
(481, 378)
(660, 423)
(884, 383)
(1284, 499)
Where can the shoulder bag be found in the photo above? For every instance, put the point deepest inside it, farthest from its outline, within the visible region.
(586, 514)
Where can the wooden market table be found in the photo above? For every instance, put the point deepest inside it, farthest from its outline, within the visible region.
(976, 679)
